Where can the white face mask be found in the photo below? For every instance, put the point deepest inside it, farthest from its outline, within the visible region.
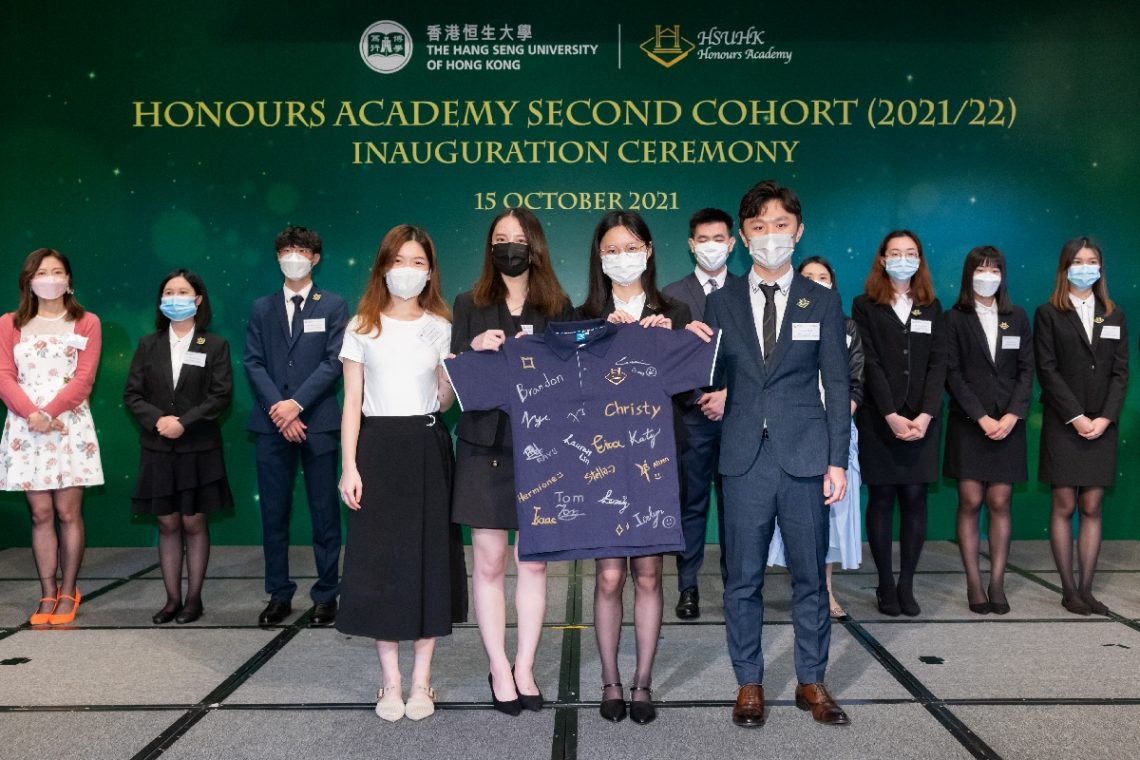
(406, 282)
(986, 284)
(623, 268)
(771, 251)
(294, 266)
(711, 255)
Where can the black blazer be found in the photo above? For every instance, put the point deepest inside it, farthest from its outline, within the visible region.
(469, 320)
(902, 369)
(200, 397)
(978, 384)
(1078, 377)
(855, 361)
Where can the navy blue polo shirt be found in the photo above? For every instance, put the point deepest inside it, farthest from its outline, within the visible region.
(592, 424)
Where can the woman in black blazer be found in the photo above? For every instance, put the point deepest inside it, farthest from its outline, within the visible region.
(179, 383)
(904, 368)
(622, 288)
(517, 292)
(989, 373)
(1081, 343)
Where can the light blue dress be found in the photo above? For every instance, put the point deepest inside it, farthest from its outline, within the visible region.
(845, 542)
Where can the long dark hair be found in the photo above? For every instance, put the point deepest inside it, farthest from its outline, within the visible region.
(1060, 298)
(201, 318)
(983, 256)
(30, 302)
(544, 292)
(877, 286)
(599, 285)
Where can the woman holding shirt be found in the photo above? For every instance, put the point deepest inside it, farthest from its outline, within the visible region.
(49, 352)
(900, 322)
(1081, 342)
(404, 578)
(623, 289)
(989, 373)
(517, 292)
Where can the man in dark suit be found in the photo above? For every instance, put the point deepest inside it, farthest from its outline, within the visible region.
(698, 438)
(292, 359)
(786, 453)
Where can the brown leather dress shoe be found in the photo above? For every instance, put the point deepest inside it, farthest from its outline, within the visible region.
(749, 708)
(814, 697)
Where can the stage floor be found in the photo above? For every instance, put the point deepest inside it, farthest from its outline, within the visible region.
(1038, 683)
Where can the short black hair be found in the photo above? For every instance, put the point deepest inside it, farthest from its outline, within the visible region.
(201, 318)
(298, 237)
(709, 216)
(765, 191)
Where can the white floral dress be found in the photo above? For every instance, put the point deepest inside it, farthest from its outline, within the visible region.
(47, 461)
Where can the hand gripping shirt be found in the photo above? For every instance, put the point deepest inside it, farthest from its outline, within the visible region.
(592, 422)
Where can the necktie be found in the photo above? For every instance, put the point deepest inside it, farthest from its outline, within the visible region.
(769, 324)
(712, 285)
(295, 325)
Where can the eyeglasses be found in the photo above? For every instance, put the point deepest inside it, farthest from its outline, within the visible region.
(627, 248)
(896, 255)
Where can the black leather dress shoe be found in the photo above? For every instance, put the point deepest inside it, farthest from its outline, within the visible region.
(689, 604)
(190, 612)
(274, 613)
(324, 614)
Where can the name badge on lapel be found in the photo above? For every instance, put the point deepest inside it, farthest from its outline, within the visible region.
(194, 359)
(315, 325)
(80, 341)
(920, 326)
(805, 330)
(430, 334)
(1110, 332)
(528, 329)
(1010, 341)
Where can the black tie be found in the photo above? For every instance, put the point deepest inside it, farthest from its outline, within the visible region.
(295, 325)
(769, 323)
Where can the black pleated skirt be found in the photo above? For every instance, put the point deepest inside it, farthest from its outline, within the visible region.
(404, 573)
(186, 483)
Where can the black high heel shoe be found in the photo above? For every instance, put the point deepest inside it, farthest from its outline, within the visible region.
(532, 702)
(612, 710)
(907, 605)
(511, 707)
(642, 711)
(166, 614)
(887, 603)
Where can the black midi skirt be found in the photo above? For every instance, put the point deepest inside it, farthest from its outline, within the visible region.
(187, 483)
(404, 574)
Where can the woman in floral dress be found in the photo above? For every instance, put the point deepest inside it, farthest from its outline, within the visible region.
(49, 351)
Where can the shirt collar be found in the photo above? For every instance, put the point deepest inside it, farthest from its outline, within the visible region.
(981, 308)
(1079, 302)
(175, 340)
(303, 292)
(562, 337)
(783, 283)
(703, 277)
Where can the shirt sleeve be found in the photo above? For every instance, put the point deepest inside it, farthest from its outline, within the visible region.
(352, 347)
(480, 379)
(78, 388)
(684, 361)
(444, 345)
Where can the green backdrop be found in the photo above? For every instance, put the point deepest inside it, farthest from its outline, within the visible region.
(131, 139)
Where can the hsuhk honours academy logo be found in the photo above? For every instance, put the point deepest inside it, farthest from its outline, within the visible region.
(667, 46)
(386, 47)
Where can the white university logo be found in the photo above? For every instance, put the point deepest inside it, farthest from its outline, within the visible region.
(386, 47)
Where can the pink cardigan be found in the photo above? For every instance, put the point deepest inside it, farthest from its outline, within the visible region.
(70, 395)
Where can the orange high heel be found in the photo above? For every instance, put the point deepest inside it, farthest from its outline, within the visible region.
(42, 618)
(67, 617)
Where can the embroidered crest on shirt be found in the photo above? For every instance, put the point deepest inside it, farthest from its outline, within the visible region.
(527, 362)
(803, 303)
(616, 376)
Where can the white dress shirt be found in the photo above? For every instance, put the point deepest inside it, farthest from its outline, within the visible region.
(633, 307)
(304, 293)
(1085, 310)
(178, 349)
(704, 277)
(988, 316)
(782, 286)
(901, 305)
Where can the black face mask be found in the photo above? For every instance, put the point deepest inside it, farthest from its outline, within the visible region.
(512, 259)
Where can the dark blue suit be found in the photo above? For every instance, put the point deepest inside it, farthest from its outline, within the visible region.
(698, 450)
(304, 367)
(779, 441)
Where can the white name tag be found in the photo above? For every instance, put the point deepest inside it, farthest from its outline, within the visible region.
(430, 335)
(920, 326)
(315, 325)
(805, 330)
(1010, 341)
(80, 341)
(194, 359)
(528, 329)
(1111, 332)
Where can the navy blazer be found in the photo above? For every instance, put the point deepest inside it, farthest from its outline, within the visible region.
(199, 398)
(978, 385)
(305, 367)
(784, 391)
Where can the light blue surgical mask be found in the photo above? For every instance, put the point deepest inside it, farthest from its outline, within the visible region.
(901, 268)
(1083, 276)
(178, 308)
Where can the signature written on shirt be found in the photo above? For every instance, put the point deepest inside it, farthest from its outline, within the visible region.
(527, 392)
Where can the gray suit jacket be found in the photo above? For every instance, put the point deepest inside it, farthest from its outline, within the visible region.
(688, 291)
(784, 391)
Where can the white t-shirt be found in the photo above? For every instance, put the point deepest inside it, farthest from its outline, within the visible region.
(399, 364)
